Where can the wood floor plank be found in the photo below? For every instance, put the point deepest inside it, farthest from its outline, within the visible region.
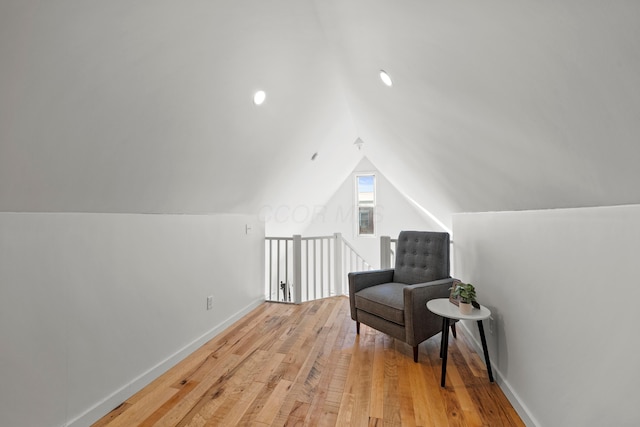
(144, 408)
(304, 365)
(418, 388)
(346, 409)
(309, 384)
(106, 420)
(377, 380)
(158, 414)
(272, 405)
(431, 374)
(391, 392)
(326, 408)
(361, 378)
(206, 394)
(407, 395)
(242, 390)
(467, 408)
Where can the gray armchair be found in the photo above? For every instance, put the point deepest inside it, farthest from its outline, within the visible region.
(394, 301)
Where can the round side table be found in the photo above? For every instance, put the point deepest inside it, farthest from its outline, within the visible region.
(444, 308)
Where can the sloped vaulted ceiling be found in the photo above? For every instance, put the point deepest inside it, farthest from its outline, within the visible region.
(146, 106)
(497, 105)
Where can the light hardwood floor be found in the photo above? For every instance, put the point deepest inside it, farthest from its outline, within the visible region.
(304, 365)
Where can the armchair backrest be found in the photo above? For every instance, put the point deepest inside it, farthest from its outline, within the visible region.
(421, 256)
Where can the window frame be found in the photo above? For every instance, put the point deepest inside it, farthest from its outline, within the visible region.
(358, 204)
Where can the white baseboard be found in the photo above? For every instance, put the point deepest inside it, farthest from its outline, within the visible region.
(504, 385)
(116, 398)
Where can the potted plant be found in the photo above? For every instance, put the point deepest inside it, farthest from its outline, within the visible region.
(467, 294)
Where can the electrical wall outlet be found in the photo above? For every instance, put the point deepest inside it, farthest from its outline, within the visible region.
(209, 302)
(492, 326)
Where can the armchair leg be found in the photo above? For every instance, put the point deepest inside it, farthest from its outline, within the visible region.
(358, 327)
(415, 353)
(453, 330)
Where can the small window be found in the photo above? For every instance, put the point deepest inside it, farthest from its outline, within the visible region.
(366, 204)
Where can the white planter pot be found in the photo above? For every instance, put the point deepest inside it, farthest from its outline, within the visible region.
(465, 308)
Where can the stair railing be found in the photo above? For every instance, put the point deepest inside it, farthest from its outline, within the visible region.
(307, 268)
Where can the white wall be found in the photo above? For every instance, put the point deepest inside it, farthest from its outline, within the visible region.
(562, 287)
(94, 306)
(394, 213)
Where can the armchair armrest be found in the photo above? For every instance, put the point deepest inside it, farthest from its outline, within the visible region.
(365, 279)
(420, 323)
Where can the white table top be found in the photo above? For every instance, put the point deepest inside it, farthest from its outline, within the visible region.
(443, 307)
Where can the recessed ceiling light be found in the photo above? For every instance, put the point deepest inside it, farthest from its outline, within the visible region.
(259, 97)
(385, 78)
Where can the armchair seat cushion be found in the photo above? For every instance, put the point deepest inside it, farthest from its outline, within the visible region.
(385, 301)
